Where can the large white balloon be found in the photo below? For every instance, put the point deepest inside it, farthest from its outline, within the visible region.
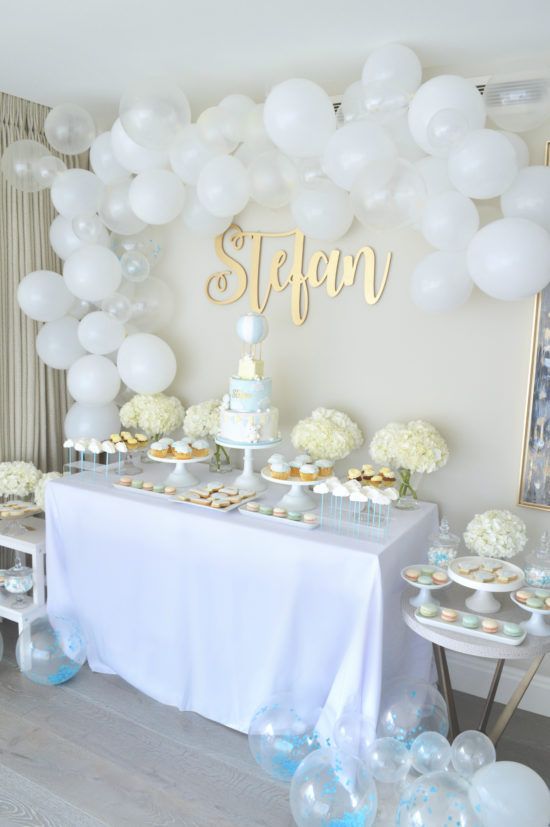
(47, 168)
(104, 163)
(153, 112)
(351, 148)
(93, 380)
(388, 195)
(510, 794)
(323, 212)
(200, 221)
(273, 178)
(90, 229)
(521, 148)
(18, 165)
(440, 282)
(483, 164)
(43, 295)
(115, 210)
(87, 421)
(510, 258)
(146, 363)
(519, 100)
(435, 174)
(57, 343)
(393, 64)
(92, 273)
(99, 333)
(62, 237)
(449, 221)
(444, 92)
(529, 196)
(445, 130)
(352, 107)
(156, 196)
(188, 154)
(132, 156)
(223, 187)
(299, 117)
(399, 132)
(69, 128)
(220, 129)
(76, 192)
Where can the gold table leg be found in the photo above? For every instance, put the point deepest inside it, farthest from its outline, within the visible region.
(504, 718)
(491, 696)
(444, 680)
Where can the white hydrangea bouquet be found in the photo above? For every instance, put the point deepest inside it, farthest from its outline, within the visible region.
(18, 479)
(327, 434)
(496, 533)
(40, 490)
(415, 447)
(155, 414)
(203, 421)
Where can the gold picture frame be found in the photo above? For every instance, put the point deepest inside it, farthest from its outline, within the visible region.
(534, 483)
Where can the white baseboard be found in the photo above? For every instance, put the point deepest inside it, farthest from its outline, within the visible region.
(473, 675)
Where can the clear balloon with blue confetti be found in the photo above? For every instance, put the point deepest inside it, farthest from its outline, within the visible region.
(410, 708)
(281, 734)
(51, 651)
(333, 788)
(438, 799)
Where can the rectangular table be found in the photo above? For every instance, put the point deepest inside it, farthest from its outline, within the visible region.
(214, 612)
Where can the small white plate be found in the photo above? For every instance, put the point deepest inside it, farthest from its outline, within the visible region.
(536, 625)
(283, 520)
(424, 595)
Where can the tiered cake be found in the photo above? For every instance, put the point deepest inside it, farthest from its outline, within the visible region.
(247, 415)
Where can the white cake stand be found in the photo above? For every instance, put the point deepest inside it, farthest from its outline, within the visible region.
(536, 625)
(180, 476)
(424, 594)
(297, 498)
(483, 599)
(249, 479)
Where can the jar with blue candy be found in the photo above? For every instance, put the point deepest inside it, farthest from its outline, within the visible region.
(443, 546)
(537, 564)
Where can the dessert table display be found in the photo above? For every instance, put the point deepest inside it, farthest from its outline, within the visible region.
(244, 608)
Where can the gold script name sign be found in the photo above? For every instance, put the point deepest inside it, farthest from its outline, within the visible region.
(228, 286)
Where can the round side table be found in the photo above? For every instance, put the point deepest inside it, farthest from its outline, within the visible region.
(533, 649)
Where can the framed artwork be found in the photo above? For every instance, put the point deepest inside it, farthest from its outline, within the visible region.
(534, 491)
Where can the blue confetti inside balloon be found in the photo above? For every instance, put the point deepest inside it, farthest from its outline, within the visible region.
(281, 734)
(333, 788)
(51, 651)
(439, 799)
(408, 709)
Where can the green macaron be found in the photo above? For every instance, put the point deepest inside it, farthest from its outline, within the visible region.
(470, 621)
(535, 603)
(428, 610)
(512, 629)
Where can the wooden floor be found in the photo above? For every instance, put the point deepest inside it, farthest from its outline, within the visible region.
(95, 751)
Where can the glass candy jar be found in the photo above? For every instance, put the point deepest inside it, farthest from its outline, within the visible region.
(537, 564)
(18, 581)
(443, 546)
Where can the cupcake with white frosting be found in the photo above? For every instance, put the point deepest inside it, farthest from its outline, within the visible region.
(325, 466)
(158, 449)
(200, 448)
(280, 470)
(181, 449)
(308, 472)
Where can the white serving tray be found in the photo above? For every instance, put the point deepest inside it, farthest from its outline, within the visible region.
(283, 520)
(457, 627)
(141, 491)
(209, 508)
(470, 583)
(32, 508)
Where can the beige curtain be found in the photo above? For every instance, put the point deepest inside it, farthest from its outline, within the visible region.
(33, 397)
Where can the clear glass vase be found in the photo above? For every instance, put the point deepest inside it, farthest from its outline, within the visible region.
(409, 482)
(443, 546)
(220, 461)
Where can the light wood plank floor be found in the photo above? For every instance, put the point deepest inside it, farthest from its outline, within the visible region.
(95, 751)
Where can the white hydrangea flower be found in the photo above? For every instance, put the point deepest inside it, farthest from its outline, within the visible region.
(327, 434)
(18, 479)
(416, 446)
(154, 414)
(203, 420)
(496, 533)
(40, 490)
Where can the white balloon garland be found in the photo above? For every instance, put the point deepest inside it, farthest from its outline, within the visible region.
(401, 153)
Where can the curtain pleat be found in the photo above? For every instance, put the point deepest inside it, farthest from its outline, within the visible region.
(33, 397)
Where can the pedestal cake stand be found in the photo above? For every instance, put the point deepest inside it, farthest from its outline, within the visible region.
(180, 476)
(536, 624)
(249, 479)
(297, 498)
(483, 599)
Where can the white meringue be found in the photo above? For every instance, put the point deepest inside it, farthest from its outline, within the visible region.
(392, 493)
(69, 443)
(358, 497)
(321, 488)
(353, 485)
(108, 446)
(121, 447)
(340, 491)
(81, 445)
(94, 446)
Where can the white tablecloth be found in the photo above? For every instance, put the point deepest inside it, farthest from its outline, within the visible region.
(214, 612)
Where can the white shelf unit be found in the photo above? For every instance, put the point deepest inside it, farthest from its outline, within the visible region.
(32, 544)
